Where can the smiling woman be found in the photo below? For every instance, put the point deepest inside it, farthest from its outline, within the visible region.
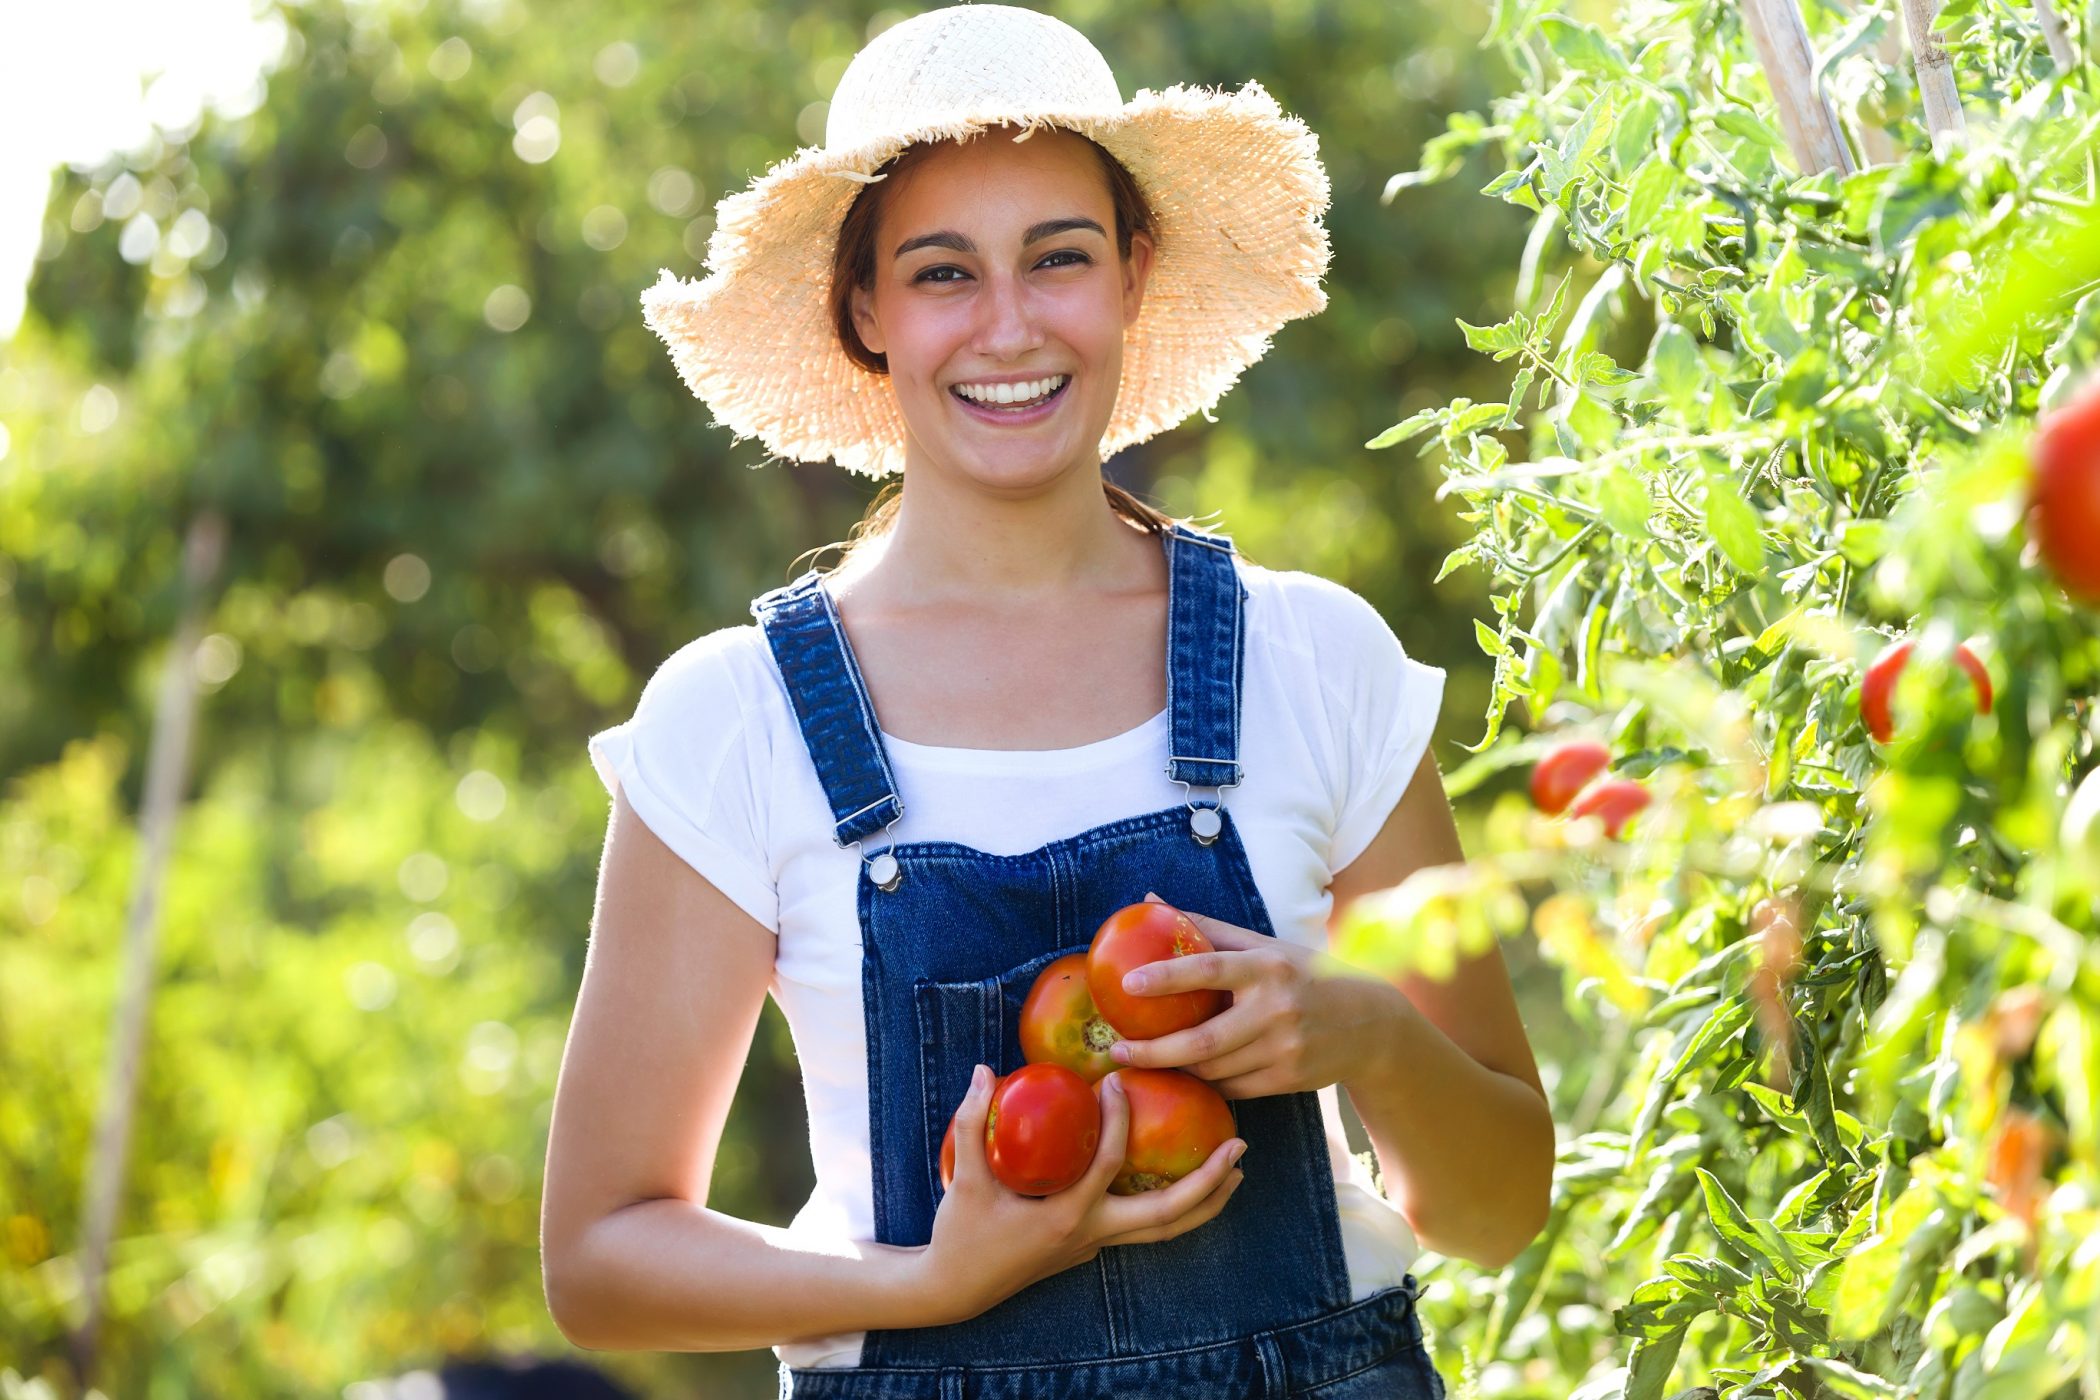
(1023, 702)
(1058, 279)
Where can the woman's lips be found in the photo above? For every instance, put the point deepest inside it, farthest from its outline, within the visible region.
(1014, 417)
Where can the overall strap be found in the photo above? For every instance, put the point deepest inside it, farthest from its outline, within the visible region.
(1206, 643)
(831, 702)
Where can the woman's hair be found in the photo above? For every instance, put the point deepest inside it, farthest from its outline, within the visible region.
(853, 265)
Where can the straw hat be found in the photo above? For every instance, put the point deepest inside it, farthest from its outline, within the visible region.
(1235, 184)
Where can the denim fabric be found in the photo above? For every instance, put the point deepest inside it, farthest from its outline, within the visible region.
(1372, 1350)
(1254, 1302)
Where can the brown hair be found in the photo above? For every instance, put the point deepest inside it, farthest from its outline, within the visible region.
(853, 265)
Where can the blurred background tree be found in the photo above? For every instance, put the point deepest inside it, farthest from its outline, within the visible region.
(388, 324)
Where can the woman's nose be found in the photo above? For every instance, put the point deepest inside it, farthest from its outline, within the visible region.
(1008, 326)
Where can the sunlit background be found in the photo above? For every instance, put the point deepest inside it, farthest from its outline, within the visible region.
(362, 280)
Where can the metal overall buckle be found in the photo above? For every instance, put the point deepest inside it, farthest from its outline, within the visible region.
(1205, 821)
(882, 869)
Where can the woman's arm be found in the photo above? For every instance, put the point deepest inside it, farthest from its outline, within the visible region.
(631, 1256)
(1450, 1095)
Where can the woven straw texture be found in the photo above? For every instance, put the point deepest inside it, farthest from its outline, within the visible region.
(1235, 184)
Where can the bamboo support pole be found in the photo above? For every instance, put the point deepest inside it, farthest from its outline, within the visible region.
(167, 760)
(1805, 114)
(2056, 36)
(1935, 69)
(1877, 143)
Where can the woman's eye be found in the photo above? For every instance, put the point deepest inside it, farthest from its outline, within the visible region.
(1078, 259)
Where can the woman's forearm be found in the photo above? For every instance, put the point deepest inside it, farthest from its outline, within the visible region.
(1466, 1149)
(668, 1275)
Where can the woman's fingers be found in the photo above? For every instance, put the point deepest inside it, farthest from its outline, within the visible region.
(969, 1127)
(1164, 1208)
(1231, 1029)
(1115, 1138)
(1204, 1209)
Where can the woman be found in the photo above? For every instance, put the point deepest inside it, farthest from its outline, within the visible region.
(1023, 701)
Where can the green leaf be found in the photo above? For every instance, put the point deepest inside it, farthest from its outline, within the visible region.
(1754, 1240)
(1675, 365)
(1476, 417)
(1653, 184)
(1623, 501)
(1457, 559)
(1734, 526)
(1580, 46)
(1411, 426)
(1489, 639)
(1506, 338)
(1649, 1365)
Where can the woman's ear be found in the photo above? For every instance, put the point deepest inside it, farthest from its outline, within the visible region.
(862, 302)
(1137, 271)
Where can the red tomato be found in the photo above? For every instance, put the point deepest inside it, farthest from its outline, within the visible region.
(1176, 1122)
(1128, 939)
(1563, 771)
(2065, 508)
(1059, 1025)
(1615, 800)
(1877, 688)
(1041, 1132)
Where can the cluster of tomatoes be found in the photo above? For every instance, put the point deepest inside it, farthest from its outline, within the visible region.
(1562, 782)
(2064, 523)
(1045, 1119)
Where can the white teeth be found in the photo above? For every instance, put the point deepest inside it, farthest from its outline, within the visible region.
(1011, 393)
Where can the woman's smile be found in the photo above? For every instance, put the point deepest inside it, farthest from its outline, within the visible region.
(1019, 413)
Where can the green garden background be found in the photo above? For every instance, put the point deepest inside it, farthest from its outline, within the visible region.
(1764, 420)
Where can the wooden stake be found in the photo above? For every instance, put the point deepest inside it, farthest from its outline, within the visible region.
(1876, 142)
(2055, 35)
(1806, 116)
(174, 720)
(1935, 69)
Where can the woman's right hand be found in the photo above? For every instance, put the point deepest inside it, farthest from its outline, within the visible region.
(990, 1242)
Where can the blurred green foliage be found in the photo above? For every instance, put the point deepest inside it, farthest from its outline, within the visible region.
(1842, 1132)
(389, 325)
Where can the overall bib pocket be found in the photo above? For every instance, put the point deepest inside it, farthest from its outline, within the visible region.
(962, 1025)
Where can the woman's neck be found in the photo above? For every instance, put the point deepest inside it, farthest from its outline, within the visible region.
(964, 548)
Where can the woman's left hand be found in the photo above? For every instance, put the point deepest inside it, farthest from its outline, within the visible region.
(1299, 1020)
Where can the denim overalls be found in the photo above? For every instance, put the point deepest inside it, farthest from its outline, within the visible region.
(1254, 1303)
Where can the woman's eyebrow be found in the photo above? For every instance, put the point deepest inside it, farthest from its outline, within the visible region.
(1048, 228)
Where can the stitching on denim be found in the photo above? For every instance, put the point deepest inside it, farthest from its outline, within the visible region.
(1239, 640)
(1173, 631)
(860, 691)
(1370, 1304)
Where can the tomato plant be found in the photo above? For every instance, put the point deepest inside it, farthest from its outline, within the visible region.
(1128, 939)
(1760, 417)
(1563, 772)
(1059, 1025)
(1176, 1122)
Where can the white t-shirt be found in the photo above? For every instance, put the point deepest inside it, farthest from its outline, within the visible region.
(1334, 718)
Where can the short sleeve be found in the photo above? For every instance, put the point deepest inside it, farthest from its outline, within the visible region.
(694, 765)
(1383, 705)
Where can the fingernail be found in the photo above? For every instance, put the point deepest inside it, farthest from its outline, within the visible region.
(1133, 981)
(977, 1077)
(1120, 1053)
(1115, 1083)
(1237, 1153)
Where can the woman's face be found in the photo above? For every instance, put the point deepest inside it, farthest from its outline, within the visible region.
(996, 264)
